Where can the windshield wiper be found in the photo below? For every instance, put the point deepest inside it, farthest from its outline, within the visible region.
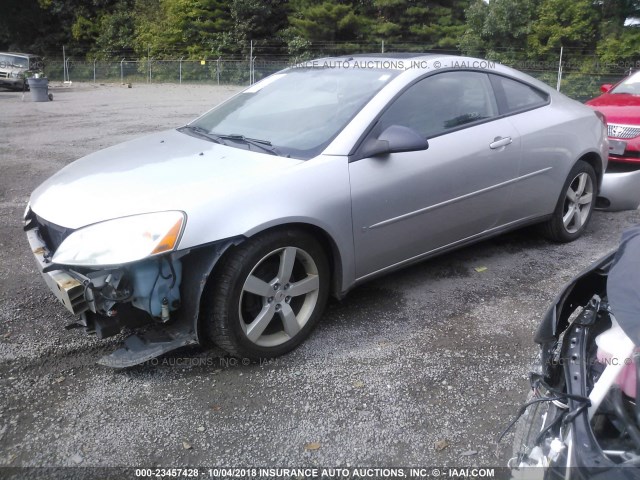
(264, 145)
(203, 132)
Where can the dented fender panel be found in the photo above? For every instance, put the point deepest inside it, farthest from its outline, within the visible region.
(183, 328)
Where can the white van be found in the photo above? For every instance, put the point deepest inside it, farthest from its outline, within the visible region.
(15, 67)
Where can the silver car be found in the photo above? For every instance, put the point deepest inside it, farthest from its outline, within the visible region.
(235, 228)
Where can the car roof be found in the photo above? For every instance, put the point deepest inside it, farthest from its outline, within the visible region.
(398, 55)
(384, 58)
(28, 55)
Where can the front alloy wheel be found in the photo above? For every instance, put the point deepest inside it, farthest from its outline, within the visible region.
(268, 294)
(279, 296)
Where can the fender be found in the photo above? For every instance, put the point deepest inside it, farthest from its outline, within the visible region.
(574, 294)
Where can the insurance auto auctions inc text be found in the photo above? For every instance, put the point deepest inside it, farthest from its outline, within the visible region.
(350, 473)
(397, 64)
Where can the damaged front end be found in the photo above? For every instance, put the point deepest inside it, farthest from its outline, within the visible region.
(159, 294)
(578, 421)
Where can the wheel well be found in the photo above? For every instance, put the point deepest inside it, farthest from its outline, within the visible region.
(328, 246)
(594, 160)
(331, 250)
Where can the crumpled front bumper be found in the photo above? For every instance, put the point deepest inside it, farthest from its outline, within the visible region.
(68, 290)
(156, 339)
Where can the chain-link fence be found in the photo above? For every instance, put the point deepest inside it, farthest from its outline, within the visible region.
(215, 71)
(580, 75)
(576, 85)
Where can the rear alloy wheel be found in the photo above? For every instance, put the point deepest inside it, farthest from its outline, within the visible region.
(575, 206)
(267, 295)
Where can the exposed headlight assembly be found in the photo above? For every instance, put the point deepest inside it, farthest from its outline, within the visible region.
(122, 240)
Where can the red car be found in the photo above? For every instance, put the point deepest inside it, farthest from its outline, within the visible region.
(620, 104)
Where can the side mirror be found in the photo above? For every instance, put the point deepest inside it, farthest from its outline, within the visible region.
(395, 139)
(606, 87)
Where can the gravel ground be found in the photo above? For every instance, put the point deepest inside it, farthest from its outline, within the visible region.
(422, 367)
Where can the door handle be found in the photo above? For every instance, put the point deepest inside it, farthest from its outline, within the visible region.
(500, 142)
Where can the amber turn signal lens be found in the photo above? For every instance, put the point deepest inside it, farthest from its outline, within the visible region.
(169, 241)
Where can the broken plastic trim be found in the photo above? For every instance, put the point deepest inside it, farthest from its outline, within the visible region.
(183, 330)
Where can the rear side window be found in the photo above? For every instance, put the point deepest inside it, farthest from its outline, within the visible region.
(36, 63)
(514, 96)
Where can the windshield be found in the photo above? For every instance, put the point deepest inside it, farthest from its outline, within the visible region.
(15, 61)
(298, 111)
(631, 85)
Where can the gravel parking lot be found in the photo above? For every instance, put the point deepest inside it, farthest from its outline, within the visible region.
(423, 367)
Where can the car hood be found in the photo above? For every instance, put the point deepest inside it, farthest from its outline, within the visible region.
(164, 171)
(618, 108)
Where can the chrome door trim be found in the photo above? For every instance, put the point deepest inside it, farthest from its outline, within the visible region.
(390, 221)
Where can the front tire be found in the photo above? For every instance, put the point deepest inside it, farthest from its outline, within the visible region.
(267, 295)
(575, 205)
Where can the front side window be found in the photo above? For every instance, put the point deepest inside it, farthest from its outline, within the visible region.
(443, 102)
(36, 63)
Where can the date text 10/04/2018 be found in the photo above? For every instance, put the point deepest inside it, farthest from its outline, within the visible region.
(324, 473)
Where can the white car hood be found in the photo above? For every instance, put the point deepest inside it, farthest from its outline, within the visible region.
(164, 171)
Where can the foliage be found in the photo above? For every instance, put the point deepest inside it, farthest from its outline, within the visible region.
(513, 31)
(594, 33)
(109, 32)
(500, 29)
(564, 24)
(428, 25)
(621, 46)
(327, 21)
(19, 20)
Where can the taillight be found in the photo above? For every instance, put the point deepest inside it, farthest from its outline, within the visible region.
(601, 116)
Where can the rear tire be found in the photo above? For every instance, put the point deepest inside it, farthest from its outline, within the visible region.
(575, 205)
(267, 295)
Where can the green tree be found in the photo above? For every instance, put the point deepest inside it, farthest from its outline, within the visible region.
(500, 29)
(111, 33)
(176, 27)
(389, 22)
(22, 26)
(74, 23)
(620, 46)
(328, 21)
(564, 24)
(618, 41)
(257, 21)
(614, 13)
(428, 25)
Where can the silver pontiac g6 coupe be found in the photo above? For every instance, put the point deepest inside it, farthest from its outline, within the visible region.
(235, 228)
